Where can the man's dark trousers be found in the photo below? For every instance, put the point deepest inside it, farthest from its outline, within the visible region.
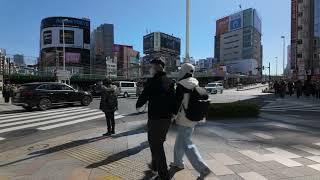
(157, 131)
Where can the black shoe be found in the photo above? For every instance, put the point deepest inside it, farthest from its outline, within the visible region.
(113, 132)
(107, 134)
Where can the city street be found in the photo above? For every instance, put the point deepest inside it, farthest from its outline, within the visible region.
(283, 143)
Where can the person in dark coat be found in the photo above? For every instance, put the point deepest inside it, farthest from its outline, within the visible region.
(160, 94)
(299, 88)
(109, 104)
(6, 93)
(290, 88)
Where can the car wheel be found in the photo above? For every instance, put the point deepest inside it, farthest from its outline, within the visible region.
(44, 104)
(27, 108)
(86, 101)
(125, 95)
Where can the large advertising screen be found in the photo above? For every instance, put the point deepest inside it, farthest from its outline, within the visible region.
(170, 43)
(148, 43)
(248, 17)
(73, 58)
(236, 21)
(222, 26)
(69, 22)
(257, 21)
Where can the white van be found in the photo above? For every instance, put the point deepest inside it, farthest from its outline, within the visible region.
(126, 88)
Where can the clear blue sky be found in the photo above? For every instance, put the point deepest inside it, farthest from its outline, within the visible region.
(20, 21)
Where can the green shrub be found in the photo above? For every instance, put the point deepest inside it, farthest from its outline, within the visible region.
(233, 110)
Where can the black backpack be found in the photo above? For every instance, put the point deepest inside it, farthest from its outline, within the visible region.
(198, 104)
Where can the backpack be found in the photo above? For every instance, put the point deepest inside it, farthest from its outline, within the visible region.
(198, 104)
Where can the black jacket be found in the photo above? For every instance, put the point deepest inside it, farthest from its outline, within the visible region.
(109, 101)
(159, 92)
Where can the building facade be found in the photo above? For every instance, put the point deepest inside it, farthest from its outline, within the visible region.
(18, 59)
(76, 40)
(3, 63)
(238, 39)
(128, 61)
(158, 44)
(101, 47)
(305, 38)
(111, 67)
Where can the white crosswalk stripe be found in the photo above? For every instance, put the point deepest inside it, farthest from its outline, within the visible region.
(49, 119)
(282, 105)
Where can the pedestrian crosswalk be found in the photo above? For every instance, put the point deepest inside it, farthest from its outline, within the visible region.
(283, 105)
(49, 119)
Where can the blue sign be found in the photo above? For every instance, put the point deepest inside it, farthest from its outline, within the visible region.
(235, 21)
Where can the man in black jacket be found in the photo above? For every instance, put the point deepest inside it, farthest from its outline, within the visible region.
(160, 94)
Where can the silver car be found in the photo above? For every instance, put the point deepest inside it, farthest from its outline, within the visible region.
(214, 88)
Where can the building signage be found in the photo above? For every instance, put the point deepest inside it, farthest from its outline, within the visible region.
(236, 21)
(222, 26)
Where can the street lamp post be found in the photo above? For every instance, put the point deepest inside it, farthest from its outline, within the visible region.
(64, 45)
(276, 66)
(187, 58)
(284, 53)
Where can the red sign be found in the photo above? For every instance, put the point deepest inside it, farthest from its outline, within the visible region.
(222, 26)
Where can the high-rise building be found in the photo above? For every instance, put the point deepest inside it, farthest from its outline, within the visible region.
(158, 44)
(128, 61)
(238, 39)
(305, 38)
(2, 61)
(101, 47)
(18, 59)
(71, 33)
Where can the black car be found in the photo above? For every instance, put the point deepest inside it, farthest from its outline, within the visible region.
(46, 94)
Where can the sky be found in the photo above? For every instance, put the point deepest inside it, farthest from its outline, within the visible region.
(20, 22)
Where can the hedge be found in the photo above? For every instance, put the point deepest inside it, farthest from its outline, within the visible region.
(233, 110)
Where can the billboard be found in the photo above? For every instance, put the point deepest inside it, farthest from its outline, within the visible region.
(170, 43)
(148, 43)
(157, 41)
(73, 57)
(236, 21)
(222, 26)
(257, 21)
(248, 17)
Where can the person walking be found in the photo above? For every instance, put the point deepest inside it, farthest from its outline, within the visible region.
(160, 94)
(6, 92)
(276, 87)
(318, 89)
(185, 126)
(109, 104)
(298, 87)
(282, 89)
(290, 88)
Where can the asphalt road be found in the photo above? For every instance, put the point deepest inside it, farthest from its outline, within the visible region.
(22, 128)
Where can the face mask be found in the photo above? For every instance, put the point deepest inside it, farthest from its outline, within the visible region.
(152, 71)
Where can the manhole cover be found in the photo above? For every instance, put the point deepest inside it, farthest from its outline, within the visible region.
(38, 147)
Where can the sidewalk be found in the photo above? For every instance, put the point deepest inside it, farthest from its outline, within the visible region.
(7, 107)
(247, 149)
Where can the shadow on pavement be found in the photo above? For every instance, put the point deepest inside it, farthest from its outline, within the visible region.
(120, 155)
(76, 143)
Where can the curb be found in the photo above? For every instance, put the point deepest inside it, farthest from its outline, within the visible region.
(251, 88)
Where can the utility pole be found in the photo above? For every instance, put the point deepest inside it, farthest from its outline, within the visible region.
(187, 58)
(64, 45)
(276, 66)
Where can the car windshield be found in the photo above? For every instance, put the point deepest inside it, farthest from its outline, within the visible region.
(211, 85)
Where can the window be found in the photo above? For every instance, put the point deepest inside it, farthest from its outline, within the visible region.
(66, 88)
(47, 37)
(300, 1)
(43, 87)
(300, 27)
(299, 55)
(299, 41)
(68, 36)
(55, 87)
(127, 84)
(300, 14)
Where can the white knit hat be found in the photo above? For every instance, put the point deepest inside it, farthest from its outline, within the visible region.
(186, 68)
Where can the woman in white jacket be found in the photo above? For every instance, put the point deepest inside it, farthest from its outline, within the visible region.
(185, 127)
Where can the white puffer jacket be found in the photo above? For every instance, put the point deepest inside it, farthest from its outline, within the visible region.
(182, 120)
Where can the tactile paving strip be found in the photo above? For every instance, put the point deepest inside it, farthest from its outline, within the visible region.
(131, 167)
